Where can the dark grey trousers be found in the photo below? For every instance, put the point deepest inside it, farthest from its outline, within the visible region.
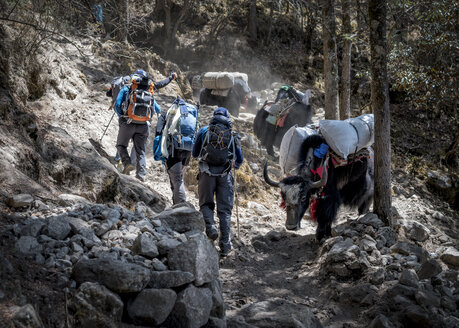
(223, 189)
(176, 173)
(139, 134)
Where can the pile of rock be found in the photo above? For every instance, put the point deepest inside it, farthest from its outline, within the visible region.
(392, 281)
(136, 267)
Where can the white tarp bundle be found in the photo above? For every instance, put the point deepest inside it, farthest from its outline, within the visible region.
(348, 136)
(222, 80)
(290, 148)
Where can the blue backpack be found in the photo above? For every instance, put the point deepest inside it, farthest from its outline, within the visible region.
(186, 127)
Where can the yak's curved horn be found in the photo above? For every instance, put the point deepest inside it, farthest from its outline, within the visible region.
(323, 180)
(267, 178)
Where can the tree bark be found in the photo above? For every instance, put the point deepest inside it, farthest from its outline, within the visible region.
(253, 21)
(330, 60)
(125, 19)
(270, 26)
(377, 10)
(345, 88)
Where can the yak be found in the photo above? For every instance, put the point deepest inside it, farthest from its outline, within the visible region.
(323, 185)
(271, 135)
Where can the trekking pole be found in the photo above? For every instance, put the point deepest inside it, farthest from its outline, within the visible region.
(237, 205)
(180, 87)
(107, 126)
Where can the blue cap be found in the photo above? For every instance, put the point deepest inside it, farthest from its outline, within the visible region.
(221, 111)
(142, 73)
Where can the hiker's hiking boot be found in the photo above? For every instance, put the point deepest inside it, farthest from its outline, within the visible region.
(138, 177)
(225, 250)
(212, 233)
(128, 168)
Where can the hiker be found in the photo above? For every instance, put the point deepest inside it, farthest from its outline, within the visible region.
(173, 143)
(219, 149)
(135, 117)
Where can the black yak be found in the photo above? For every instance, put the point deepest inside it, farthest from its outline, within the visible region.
(299, 113)
(350, 184)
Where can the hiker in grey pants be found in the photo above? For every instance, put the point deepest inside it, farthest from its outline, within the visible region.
(139, 134)
(217, 160)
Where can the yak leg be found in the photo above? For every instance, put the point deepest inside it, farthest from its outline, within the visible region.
(326, 214)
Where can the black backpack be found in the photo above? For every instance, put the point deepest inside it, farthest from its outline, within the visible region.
(218, 145)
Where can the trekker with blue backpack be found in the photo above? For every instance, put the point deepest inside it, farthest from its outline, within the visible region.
(175, 132)
(134, 106)
(219, 150)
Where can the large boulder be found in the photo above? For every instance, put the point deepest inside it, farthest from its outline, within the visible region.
(279, 313)
(192, 308)
(451, 256)
(170, 279)
(119, 276)
(145, 245)
(182, 219)
(197, 256)
(152, 306)
(96, 306)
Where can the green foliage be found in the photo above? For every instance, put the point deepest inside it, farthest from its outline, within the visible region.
(422, 58)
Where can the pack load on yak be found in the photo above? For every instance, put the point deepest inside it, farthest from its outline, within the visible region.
(345, 138)
(329, 171)
(275, 118)
(227, 89)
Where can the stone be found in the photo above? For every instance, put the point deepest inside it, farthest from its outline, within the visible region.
(381, 321)
(429, 269)
(389, 235)
(28, 245)
(145, 245)
(145, 226)
(26, 317)
(182, 219)
(405, 248)
(69, 199)
(166, 245)
(258, 208)
(415, 230)
(415, 316)
(357, 293)
(170, 279)
(409, 278)
(427, 298)
(279, 313)
(58, 228)
(367, 243)
(32, 228)
(450, 256)
(152, 306)
(158, 265)
(371, 219)
(216, 323)
(218, 303)
(378, 277)
(260, 246)
(192, 308)
(197, 256)
(20, 200)
(117, 275)
(96, 306)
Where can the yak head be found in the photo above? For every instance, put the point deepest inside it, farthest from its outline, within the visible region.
(296, 193)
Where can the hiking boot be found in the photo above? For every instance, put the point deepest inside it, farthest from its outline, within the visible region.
(128, 168)
(225, 250)
(212, 233)
(138, 177)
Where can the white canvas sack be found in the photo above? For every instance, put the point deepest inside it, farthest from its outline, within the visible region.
(290, 148)
(348, 136)
(222, 80)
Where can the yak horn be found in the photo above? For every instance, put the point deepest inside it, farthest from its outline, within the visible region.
(323, 181)
(267, 178)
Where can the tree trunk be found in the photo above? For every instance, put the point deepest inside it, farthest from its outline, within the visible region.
(167, 19)
(125, 19)
(270, 26)
(330, 61)
(380, 106)
(181, 16)
(345, 89)
(253, 21)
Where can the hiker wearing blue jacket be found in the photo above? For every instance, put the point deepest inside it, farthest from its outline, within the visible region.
(134, 119)
(219, 150)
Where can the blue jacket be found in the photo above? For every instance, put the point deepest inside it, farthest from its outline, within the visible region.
(200, 136)
(121, 98)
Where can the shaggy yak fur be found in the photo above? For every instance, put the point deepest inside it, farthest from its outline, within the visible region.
(271, 135)
(350, 185)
